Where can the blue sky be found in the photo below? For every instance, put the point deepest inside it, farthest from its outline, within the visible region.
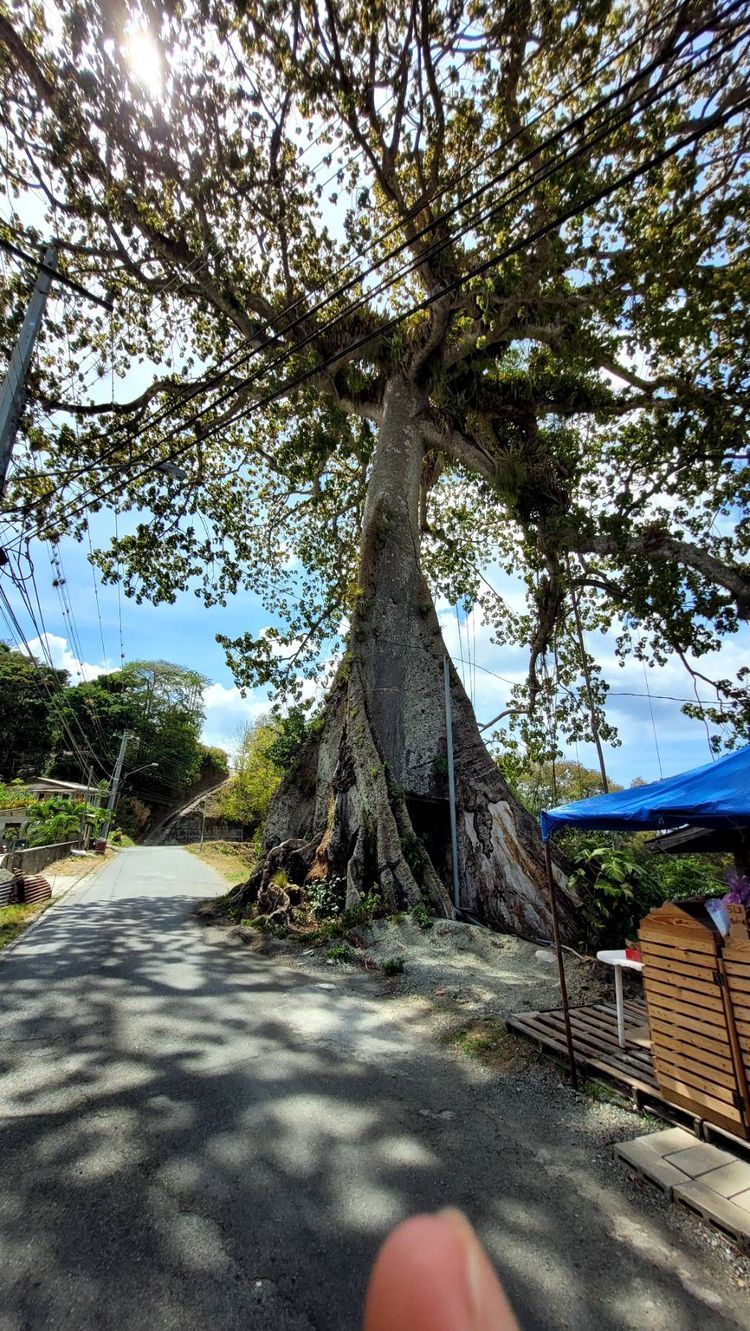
(185, 633)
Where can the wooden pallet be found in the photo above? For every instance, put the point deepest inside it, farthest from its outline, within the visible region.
(597, 1053)
(595, 1042)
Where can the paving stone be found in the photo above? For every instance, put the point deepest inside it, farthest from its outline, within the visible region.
(729, 1179)
(697, 1160)
(726, 1215)
(742, 1199)
(668, 1140)
(641, 1155)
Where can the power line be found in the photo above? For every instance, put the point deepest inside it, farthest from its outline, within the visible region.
(639, 76)
(478, 270)
(105, 658)
(653, 721)
(17, 633)
(58, 276)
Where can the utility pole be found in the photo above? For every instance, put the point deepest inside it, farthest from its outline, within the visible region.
(451, 782)
(114, 787)
(84, 834)
(589, 691)
(13, 391)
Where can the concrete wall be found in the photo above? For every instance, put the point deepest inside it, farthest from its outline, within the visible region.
(36, 858)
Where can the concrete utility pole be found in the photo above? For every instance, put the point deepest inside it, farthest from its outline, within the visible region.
(13, 391)
(84, 829)
(114, 787)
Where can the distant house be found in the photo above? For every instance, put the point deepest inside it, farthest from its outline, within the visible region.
(13, 819)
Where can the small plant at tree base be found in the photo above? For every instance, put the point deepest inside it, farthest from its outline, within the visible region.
(415, 855)
(393, 966)
(421, 915)
(370, 906)
(326, 897)
(340, 952)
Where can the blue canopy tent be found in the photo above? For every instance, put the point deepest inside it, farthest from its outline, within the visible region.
(714, 796)
(711, 796)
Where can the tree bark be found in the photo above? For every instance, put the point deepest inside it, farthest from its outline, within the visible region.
(368, 799)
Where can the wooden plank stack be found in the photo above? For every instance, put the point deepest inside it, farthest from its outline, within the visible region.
(693, 1041)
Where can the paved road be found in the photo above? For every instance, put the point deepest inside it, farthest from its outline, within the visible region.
(195, 1137)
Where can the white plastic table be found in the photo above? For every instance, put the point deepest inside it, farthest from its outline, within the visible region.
(616, 957)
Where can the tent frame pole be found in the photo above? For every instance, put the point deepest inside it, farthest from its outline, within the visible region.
(560, 965)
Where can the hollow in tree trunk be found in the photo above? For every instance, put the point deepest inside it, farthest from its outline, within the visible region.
(368, 798)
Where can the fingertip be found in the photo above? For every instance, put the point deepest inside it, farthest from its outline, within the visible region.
(432, 1274)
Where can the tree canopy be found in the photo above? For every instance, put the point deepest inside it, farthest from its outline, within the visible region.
(270, 208)
(160, 704)
(27, 697)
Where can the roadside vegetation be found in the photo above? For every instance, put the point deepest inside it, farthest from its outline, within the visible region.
(158, 701)
(231, 859)
(14, 919)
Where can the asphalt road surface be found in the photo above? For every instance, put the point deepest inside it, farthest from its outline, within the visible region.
(195, 1137)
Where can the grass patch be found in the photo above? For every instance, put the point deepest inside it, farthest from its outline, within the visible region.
(14, 919)
(340, 952)
(227, 857)
(393, 966)
(489, 1040)
(604, 1094)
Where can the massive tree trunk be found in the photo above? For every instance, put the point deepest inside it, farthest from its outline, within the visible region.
(369, 796)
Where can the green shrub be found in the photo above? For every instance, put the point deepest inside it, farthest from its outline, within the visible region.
(421, 915)
(366, 910)
(340, 952)
(326, 897)
(393, 966)
(620, 884)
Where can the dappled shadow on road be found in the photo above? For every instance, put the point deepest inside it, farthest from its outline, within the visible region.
(197, 1136)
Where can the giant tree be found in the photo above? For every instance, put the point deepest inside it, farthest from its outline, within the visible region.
(502, 318)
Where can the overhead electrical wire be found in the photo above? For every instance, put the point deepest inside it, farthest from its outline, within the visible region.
(579, 207)
(241, 357)
(85, 757)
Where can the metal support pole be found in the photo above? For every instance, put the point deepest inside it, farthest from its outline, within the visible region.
(560, 966)
(114, 787)
(203, 820)
(84, 834)
(13, 390)
(451, 782)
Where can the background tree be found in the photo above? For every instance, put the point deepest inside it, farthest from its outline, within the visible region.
(27, 693)
(256, 775)
(401, 379)
(161, 704)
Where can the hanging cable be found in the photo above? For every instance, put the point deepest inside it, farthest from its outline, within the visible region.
(638, 77)
(119, 597)
(653, 721)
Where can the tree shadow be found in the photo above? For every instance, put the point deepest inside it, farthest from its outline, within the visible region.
(196, 1136)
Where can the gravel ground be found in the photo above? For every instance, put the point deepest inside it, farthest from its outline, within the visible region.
(460, 982)
(487, 973)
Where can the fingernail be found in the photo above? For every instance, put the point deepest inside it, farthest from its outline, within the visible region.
(489, 1309)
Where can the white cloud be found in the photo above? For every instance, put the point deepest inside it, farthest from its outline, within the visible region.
(54, 650)
(228, 712)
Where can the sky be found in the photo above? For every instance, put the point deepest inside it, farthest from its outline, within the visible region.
(185, 633)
